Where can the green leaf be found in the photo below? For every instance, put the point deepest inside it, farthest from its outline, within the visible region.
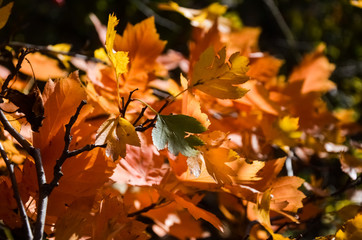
(171, 130)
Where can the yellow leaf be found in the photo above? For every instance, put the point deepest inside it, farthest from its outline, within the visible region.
(5, 13)
(101, 54)
(198, 17)
(351, 230)
(214, 76)
(356, 3)
(116, 133)
(215, 162)
(290, 125)
(62, 47)
(263, 207)
(119, 59)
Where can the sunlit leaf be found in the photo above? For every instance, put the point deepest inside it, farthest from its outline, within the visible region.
(352, 229)
(218, 78)
(172, 130)
(119, 59)
(116, 133)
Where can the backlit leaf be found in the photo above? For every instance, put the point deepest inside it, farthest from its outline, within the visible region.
(116, 133)
(352, 229)
(172, 130)
(119, 59)
(214, 76)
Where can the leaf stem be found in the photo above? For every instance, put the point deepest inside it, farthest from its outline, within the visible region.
(146, 104)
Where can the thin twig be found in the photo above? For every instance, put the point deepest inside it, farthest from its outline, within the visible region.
(283, 27)
(146, 209)
(24, 217)
(150, 122)
(140, 115)
(125, 105)
(46, 49)
(66, 152)
(35, 153)
(21, 58)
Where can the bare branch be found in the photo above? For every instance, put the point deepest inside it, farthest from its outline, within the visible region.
(125, 105)
(66, 153)
(24, 217)
(45, 49)
(21, 58)
(35, 153)
(146, 209)
(149, 122)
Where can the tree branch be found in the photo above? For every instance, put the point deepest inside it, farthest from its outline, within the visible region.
(21, 58)
(66, 153)
(45, 49)
(35, 153)
(24, 217)
(149, 122)
(146, 209)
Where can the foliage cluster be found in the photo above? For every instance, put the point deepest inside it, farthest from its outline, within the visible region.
(123, 149)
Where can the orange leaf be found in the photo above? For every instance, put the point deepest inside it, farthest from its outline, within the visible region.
(60, 105)
(197, 212)
(142, 43)
(314, 70)
(285, 189)
(44, 67)
(264, 217)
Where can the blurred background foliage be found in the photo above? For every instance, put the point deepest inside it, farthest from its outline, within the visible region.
(334, 22)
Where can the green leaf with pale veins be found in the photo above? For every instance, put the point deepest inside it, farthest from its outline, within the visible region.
(174, 131)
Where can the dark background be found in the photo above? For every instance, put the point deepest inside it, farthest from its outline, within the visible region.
(336, 23)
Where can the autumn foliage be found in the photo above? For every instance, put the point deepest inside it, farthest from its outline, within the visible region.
(208, 153)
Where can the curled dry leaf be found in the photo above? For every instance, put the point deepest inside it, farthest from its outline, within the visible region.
(116, 133)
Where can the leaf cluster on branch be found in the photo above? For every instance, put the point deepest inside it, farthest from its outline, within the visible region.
(121, 150)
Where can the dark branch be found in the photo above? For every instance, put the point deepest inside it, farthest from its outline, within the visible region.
(21, 58)
(146, 209)
(150, 122)
(45, 49)
(24, 217)
(140, 115)
(66, 152)
(125, 105)
(35, 153)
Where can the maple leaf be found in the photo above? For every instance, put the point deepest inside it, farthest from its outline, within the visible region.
(212, 75)
(42, 66)
(171, 130)
(263, 207)
(352, 229)
(285, 189)
(119, 59)
(116, 133)
(215, 159)
(142, 34)
(314, 71)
